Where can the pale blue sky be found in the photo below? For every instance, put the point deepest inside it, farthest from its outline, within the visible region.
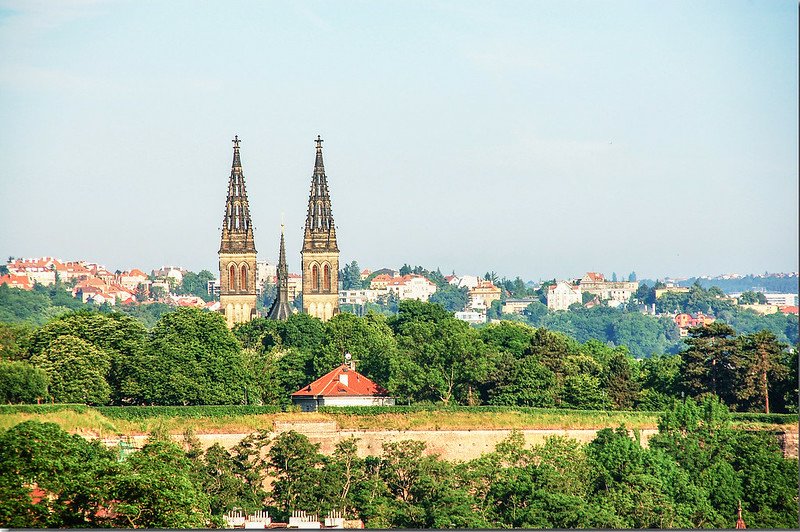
(540, 139)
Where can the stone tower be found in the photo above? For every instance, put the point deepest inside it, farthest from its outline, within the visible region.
(280, 309)
(320, 252)
(237, 251)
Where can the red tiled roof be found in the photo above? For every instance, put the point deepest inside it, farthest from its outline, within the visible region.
(16, 281)
(594, 276)
(790, 310)
(135, 273)
(330, 385)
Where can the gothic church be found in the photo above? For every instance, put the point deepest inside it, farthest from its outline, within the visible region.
(237, 253)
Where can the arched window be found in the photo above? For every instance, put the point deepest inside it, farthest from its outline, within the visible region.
(326, 278)
(315, 278)
(232, 278)
(243, 278)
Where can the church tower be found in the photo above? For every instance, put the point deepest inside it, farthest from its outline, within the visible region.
(320, 252)
(237, 250)
(280, 309)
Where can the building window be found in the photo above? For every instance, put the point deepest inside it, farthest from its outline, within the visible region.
(326, 278)
(243, 278)
(232, 278)
(315, 278)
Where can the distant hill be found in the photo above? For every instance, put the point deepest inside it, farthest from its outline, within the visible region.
(785, 284)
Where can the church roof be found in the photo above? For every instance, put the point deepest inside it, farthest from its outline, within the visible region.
(332, 385)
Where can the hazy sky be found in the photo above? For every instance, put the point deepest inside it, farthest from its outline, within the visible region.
(540, 139)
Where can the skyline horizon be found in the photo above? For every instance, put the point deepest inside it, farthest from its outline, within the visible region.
(537, 139)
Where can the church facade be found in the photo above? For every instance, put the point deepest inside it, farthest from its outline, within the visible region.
(237, 250)
(237, 253)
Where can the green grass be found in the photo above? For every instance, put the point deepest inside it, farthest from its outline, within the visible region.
(110, 421)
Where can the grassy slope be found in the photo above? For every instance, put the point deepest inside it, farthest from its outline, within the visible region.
(90, 421)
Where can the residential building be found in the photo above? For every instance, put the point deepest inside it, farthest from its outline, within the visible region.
(265, 273)
(469, 281)
(380, 282)
(237, 251)
(132, 279)
(482, 295)
(343, 386)
(563, 294)
(295, 286)
(359, 297)
(516, 306)
(764, 309)
(616, 292)
(686, 321)
(16, 281)
(471, 316)
(364, 274)
(320, 253)
(41, 270)
(671, 289)
(411, 287)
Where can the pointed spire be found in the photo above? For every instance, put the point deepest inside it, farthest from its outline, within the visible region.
(280, 309)
(320, 231)
(740, 522)
(237, 228)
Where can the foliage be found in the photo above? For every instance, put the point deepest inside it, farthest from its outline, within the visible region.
(21, 382)
(76, 370)
(452, 298)
(350, 276)
(191, 359)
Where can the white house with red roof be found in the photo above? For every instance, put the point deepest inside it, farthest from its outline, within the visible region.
(132, 279)
(411, 287)
(343, 386)
(563, 294)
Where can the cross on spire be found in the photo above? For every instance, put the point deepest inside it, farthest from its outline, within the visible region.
(236, 141)
(319, 142)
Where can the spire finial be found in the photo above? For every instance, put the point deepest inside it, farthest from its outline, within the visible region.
(319, 142)
(236, 142)
(282, 222)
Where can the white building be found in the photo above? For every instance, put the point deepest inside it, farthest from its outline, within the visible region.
(471, 317)
(265, 272)
(563, 294)
(516, 306)
(411, 287)
(343, 386)
(359, 297)
(470, 281)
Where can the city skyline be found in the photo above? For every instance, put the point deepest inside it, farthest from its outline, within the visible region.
(536, 140)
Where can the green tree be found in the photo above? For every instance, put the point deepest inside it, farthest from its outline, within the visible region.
(452, 298)
(708, 362)
(155, 489)
(71, 475)
(351, 276)
(21, 382)
(619, 382)
(192, 359)
(300, 481)
(758, 363)
(752, 298)
(76, 370)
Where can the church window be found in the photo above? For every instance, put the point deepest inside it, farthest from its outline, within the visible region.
(232, 278)
(243, 278)
(326, 278)
(315, 278)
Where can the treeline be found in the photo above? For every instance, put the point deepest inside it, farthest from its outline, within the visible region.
(421, 355)
(694, 474)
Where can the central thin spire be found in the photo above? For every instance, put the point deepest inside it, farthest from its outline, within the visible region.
(280, 309)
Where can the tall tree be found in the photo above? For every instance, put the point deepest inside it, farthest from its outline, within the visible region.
(759, 362)
(707, 365)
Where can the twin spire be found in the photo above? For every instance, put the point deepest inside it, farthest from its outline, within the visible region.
(237, 228)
